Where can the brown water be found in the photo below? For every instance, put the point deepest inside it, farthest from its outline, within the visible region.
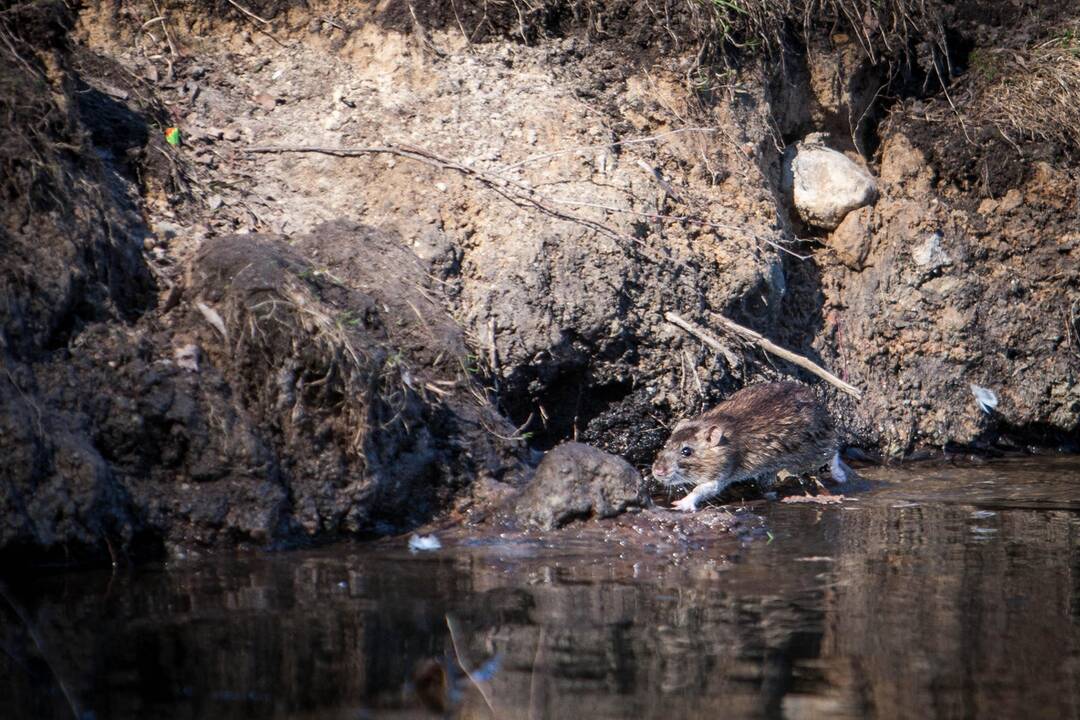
(940, 592)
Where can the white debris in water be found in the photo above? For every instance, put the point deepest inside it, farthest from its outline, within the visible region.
(987, 398)
(420, 543)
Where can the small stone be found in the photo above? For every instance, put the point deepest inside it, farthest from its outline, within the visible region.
(1011, 201)
(851, 240)
(214, 202)
(986, 398)
(901, 162)
(421, 543)
(334, 120)
(440, 186)
(825, 185)
(988, 206)
(930, 255)
(169, 230)
(265, 101)
(187, 357)
(148, 243)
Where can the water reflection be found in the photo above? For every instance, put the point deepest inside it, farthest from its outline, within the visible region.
(947, 593)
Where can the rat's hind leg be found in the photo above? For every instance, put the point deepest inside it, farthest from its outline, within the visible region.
(839, 471)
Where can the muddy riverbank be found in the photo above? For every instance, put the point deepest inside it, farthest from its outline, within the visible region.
(250, 339)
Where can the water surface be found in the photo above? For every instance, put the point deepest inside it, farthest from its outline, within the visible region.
(940, 592)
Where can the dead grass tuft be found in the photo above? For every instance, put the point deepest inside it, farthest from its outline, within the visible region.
(1031, 93)
(885, 29)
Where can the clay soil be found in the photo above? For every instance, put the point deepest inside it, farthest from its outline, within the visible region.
(254, 338)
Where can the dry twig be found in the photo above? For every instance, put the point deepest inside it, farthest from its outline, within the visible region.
(164, 26)
(762, 342)
(516, 192)
(247, 12)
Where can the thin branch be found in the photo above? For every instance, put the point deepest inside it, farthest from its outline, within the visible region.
(43, 650)
(165, 27)
(516, 192)
(688, 219)
(762, 342)
(464, 666)
(618, 143)
(18, 57)
(247, 12)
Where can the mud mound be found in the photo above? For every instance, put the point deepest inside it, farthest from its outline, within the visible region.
(359, 378)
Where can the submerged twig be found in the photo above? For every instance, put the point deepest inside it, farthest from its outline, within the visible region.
(42, 650)
(465, 667)
(762, 342)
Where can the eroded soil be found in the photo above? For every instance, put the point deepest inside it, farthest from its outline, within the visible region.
(395, 334)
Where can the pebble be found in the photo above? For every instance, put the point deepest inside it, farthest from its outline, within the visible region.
(265, 101)
(169, 230)
(187, 357)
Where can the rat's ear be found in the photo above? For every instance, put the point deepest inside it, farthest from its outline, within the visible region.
(716, 435)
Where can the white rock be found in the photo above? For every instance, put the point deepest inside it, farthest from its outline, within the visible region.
(929, 254)
(825, 185)
(187, 356)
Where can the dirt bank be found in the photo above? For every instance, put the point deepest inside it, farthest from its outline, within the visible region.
(247, 338)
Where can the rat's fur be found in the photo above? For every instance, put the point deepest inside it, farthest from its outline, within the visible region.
(757, 431)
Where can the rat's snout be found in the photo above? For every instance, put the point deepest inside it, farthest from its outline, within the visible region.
(660, 468)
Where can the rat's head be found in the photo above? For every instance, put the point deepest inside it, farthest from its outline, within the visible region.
(697, 451)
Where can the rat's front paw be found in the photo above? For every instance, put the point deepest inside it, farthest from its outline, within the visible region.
(686, 504)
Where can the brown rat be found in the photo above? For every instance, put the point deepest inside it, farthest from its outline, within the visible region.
(760, 429)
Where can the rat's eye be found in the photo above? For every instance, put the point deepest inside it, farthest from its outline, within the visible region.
(687, 451)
